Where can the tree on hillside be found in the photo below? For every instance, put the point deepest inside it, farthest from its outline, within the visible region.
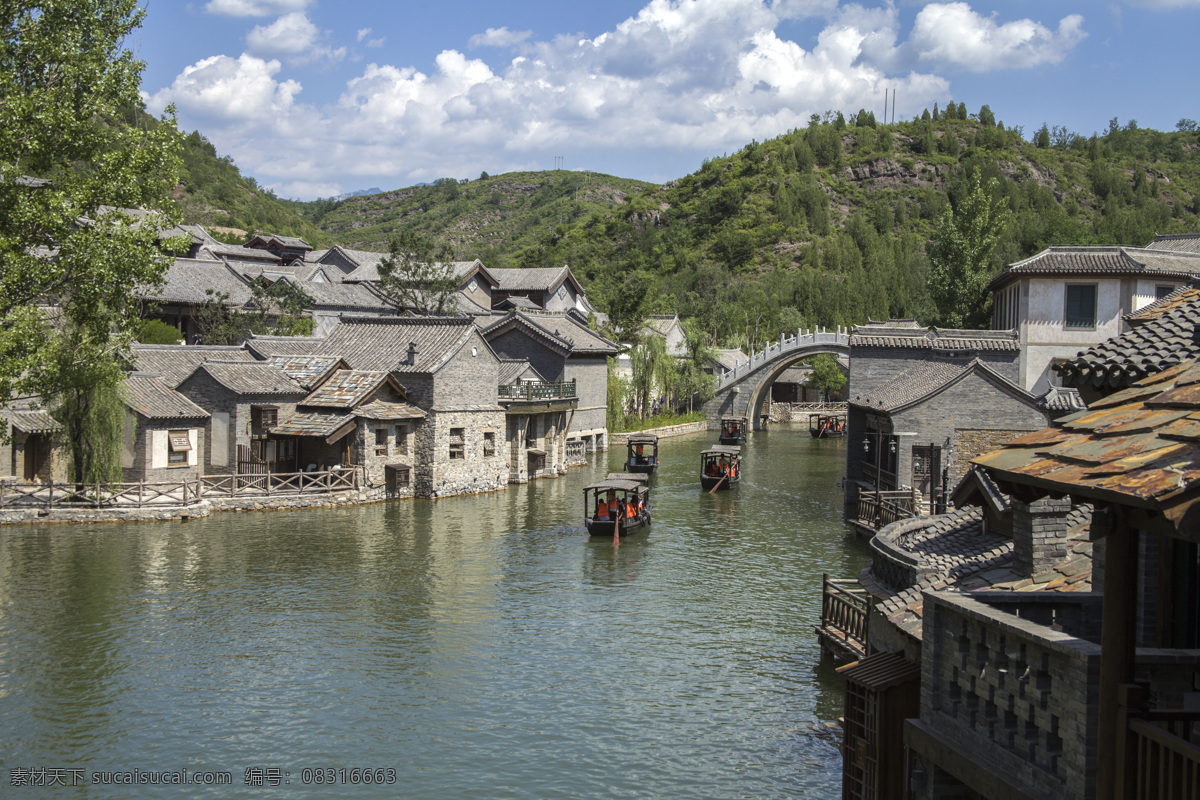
(69, 163)
(959, 253)
(417, 275)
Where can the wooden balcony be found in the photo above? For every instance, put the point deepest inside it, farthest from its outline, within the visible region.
(1161, 758)
(876, 510)
(845, 607)
(538, 391)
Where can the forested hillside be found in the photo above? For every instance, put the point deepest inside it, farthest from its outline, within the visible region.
(826, 225)
(213, 193)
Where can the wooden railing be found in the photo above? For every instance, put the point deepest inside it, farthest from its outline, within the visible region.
(145, 494)
(538, 391)
(1165, 757)
(845, 607)
(76, 495)
(879, 509)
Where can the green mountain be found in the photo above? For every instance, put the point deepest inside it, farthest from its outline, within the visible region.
(821, 226)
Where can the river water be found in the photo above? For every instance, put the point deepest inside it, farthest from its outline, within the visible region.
(471, 647)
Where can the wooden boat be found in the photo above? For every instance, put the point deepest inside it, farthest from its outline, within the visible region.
(601, 499)
(643, 453)
(636, 477)
(733, 430)
(826, 426)
(720, 465)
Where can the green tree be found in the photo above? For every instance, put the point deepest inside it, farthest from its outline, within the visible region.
(274, 308)
(826, 376)
(694, 383)
(959, 254)
(87, 401)
(646, 364)
(615, 398)
(69, 164)
(417, 275)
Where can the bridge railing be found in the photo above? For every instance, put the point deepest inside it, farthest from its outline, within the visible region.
(801, 339)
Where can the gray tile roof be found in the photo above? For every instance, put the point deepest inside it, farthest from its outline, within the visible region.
(307, 371)
(257, 378)
(359, 297)
(188, 281)
(345, 389)
(1178, 242)
(532, 280)
(1070, 261)
(153, 398)
(266, 347)
(32, 420)
(934, 339)
(388, 410)
(1153, 346)
(512, 369)
(174, 362)
(928, 378)
(383, 343)
(561, 331)
(312, 423)
(728, 359)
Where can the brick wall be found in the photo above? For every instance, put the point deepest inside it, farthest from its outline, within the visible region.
(470, 378)
(438, 475)
(1040, 531)
(1012, 699)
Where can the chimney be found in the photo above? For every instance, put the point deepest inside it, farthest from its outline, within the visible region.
(412, 353)
(1040, 531)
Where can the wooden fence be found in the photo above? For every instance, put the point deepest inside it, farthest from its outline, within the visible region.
(879, 509)
(164, 494)
(1165, 758)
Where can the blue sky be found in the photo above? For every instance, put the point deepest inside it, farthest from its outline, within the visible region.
(318, 97)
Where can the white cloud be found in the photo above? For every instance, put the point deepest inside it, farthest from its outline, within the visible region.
(294, 38)
(953, 35)
(499, 37)
(680, 76)
(255, 8)
(224, 89)
(365, 32)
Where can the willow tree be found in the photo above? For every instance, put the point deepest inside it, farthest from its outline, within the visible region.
(85, 189)
(647, 363)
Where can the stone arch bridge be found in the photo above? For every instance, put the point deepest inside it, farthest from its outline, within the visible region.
(743, 391)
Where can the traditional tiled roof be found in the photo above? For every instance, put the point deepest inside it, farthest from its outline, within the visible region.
(345, 389)
(387, 410)
(1177, 242)
(188, 282)
(359, 297)
(1118, 261)
(1154, 345)
(512, 369)
(368, 269)
(1138, 448)
(383, 343)
(245, 256)
(522, 303)
(257, 378)
(953, 551)
(266, 347)
(1180, 297)
(533, 280)
(928, 378)
(293, 242)
(312, 423)
(560, 331)
(728, 359)
(32, 420)
(933, 339)
(307, 371)
(174, 362)
(153, 398)
(1059, 400)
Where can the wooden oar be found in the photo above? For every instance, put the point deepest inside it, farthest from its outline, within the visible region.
(717, 485)
(616, 530)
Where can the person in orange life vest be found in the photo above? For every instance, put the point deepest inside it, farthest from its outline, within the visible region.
(639, 457)
(630, 510)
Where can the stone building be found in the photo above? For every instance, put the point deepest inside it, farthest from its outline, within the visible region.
(926, 400)
(245, 401)
(356, 419)
(564, 350)
(1065, 299)
(28, 453)
(553, 290)
(165, 433)
(448, 371)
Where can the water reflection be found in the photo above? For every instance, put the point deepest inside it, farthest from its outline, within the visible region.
(480, 646)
